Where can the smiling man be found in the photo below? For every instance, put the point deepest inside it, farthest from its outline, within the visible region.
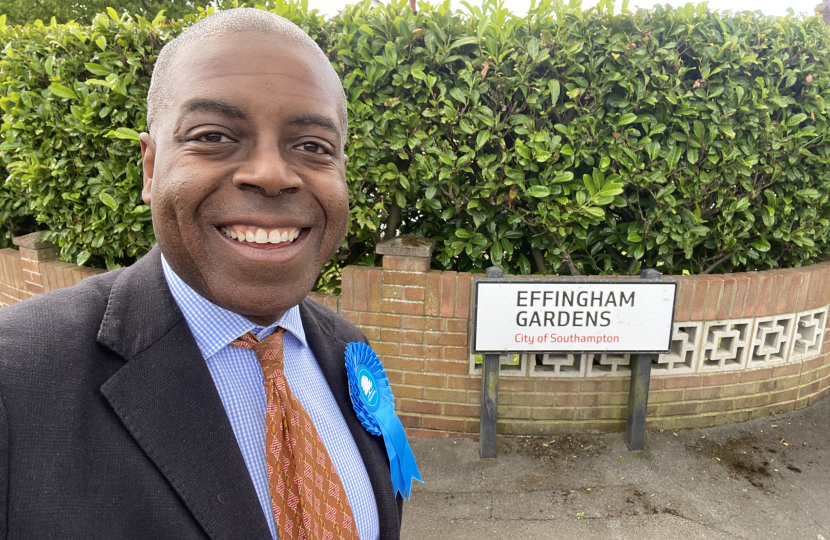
(198, 393)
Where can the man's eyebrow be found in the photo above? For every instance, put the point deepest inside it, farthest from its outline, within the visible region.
(213, 106)
(312, 119)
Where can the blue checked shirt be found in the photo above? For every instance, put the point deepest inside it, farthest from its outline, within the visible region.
(238, 378)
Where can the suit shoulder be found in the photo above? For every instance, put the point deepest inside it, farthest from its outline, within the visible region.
(343, 329)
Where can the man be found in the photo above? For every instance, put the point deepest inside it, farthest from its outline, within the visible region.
(133, 403)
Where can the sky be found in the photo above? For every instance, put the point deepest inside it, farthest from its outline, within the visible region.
(768, 7)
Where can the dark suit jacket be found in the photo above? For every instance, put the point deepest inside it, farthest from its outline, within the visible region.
(111, 426)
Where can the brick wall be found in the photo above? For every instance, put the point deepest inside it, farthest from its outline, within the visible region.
(418, 321)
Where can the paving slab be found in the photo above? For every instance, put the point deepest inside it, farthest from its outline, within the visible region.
(768, 478)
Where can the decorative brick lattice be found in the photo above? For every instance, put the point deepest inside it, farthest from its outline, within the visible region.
(771, 340)
(608, 365)
(809, 334)
(512, 365)
(685, 344)
(556, 365)
(725, 345)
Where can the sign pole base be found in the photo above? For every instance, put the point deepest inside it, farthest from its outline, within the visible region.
(635, 422)
(489, 393)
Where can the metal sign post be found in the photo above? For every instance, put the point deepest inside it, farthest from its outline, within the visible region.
(578, 316)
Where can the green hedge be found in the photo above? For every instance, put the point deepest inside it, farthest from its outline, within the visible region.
(566, 141)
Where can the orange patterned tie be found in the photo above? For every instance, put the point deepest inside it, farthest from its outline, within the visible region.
(307, 496)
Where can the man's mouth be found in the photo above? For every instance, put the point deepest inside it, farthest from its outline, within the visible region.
(257, 235)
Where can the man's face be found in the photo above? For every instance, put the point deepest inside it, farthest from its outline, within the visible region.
(245, 172)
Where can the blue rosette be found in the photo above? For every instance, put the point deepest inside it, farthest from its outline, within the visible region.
(375, 407)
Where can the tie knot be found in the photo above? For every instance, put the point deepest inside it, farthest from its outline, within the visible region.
(269, 351)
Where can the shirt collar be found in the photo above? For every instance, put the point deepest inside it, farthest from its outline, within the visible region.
(215, 327)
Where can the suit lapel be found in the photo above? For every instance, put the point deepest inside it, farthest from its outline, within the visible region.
(166, 398)
(330, 352)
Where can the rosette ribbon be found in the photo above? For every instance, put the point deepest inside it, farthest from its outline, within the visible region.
(375, 407)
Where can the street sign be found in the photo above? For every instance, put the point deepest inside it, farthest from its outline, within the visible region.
(573, 315)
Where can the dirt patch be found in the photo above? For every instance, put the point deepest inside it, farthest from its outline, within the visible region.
(565, 448)
(742, 456)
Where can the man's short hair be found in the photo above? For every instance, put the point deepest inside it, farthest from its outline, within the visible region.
(230, 21)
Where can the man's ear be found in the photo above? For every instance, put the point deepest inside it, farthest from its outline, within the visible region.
(148, 162)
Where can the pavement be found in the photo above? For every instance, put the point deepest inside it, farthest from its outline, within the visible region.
(768, 478)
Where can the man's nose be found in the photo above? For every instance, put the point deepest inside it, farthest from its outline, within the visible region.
(267, 170)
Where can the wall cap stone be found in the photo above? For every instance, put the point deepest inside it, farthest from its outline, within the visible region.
(32, 241)
(407, 245)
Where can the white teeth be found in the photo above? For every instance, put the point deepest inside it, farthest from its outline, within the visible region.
(261, 236)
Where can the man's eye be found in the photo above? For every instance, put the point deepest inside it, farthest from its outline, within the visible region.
(213, 138)
(314, 147)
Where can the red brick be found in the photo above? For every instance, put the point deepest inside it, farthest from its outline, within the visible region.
(421, 351)
(596, 413)
(775, 290)
(394, 376)
(391, 291)
(372, 332)
(752, 295)
(432, 302)
(813, 294)
(383, 348)
(699, 299)
(391, 262)
(398, 362)
(472, 382)
(685, 296)
(741, 287)
(682, 382)
(788, 369)
(604, 385)
(421, 323)
(462, 302)
(715, 405)
(375, 282)
(554, 413)
(402, 336)
(813, 363)
(32, 266)
(380, 319)
(410, 405)
(416, 264)
(784, 395)
(721, 379)
(34, 288)
(410, 420)
(567, 400)
(806, 278)
(448, 366)
(448, 294)
(347, 288)
(713, 297)
(351, 316)
(751, 402)
(462, 409)
(413, 293)
(706, 392)
(426, 379)
(782, 383)
(533, 399)
(763, 295)
(727, 299)
(361, 289)
(666, 396)
(514, 384)
(741, 389)
(445, 338)
(557, 386)
(455, 353)
(402, 391)
(446, 424)
(683, 408)
(789, 285)
(404, 278)
(452, 396)
(457, 325)
(756, 375)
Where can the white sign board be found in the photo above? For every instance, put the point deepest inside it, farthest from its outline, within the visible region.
(620, 316)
